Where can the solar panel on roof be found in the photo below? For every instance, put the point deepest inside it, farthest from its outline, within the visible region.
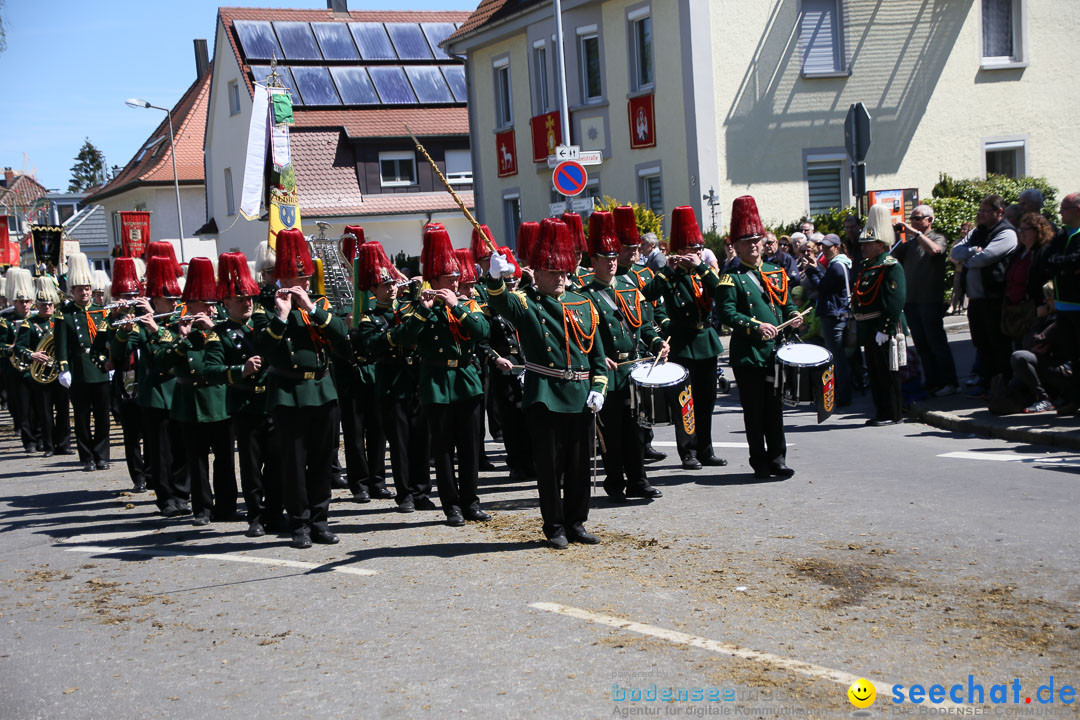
(260, 72)
(436, 33)
(315, 86)
(393, 86)
(373, 42)
(429, 84)
(455, 78)
(354, 85)
(257, 39)
(409, 41)
(297, 41)
(335, 40)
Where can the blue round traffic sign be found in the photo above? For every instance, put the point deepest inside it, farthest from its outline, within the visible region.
(569, 178)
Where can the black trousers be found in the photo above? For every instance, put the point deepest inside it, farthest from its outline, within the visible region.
(304, 438)
(624, 460)
(507, 393)
(365, 441)
(405, 425)
(91, 400)
(992, 345)
(128, 415)
(562, 443)
(165, 458)
(453, 427)
(260, 477)
(200, 439)
(884, 383)
(703, 390)
(54, 429)
(19, 403)
(763, 417)
(494, 409)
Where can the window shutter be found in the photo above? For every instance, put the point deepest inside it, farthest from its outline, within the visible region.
(819, 36)
(826, 186)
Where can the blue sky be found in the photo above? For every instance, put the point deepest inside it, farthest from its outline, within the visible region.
(70, 65)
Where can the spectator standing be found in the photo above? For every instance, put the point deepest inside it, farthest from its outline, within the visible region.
(1062, 262)
(651, 255)
(833, 285)
(775, 254)
(923, 259)
(1024, 278)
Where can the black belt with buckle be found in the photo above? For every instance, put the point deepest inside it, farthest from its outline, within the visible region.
(257, 389)
(192, 381)
(299, 374)
(463, 361)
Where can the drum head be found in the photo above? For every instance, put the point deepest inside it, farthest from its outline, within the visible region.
(663, 375)
(803, 355)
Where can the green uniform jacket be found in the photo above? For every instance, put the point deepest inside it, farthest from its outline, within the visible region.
(541, 323)
(687, 299)
(199, 396)
(297, 355)
(155, 381)
(878, 298)
(29, 335)
(243, 394)
(397, 367)
(448, 372)
(9, 329)
(625, 321)
(745, 304)
(76, 351)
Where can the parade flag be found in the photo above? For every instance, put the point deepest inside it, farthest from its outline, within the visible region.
(506, 153)
(255, 160)
(9, 251)
(284, 215)
(47, 239)
(642, 122)
(134, 233)
(546, 135)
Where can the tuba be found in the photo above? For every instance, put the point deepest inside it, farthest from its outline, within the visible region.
(45, 372)
(16, 361)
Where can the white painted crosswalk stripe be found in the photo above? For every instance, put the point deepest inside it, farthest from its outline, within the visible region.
(194, 553)
(1015, 457)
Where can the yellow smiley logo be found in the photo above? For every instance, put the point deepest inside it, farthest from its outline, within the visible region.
(862, 693)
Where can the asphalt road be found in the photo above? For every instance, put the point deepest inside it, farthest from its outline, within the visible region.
(905, 554)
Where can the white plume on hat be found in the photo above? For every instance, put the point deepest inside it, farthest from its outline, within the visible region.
(264, 257)
(140, 269)
(20, 284)
(101, 281)
(879, 227)
(45, 289)
(79, 270)
(3, 286)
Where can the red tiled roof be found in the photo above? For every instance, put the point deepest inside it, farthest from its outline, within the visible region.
(395, 204)
(488, 11)
(22, 193)
(189, 127)
(388, 122)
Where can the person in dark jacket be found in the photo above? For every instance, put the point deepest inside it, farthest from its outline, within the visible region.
(833, 285)
(774, 254)
(1062, 262)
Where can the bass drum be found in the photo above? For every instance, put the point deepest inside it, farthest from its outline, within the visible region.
(655, 392)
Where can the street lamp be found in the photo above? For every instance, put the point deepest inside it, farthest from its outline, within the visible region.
(137, 103)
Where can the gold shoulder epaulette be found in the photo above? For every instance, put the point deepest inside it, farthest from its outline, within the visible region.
(726, 281)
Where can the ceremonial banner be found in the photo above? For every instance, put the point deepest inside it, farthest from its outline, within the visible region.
(824, 392)
(283, 216)
(279, 144)
(134, 233)
(9, 251)
(255, 162)
(47, 239)
(506, 153)
(546, 135)
(642, 122)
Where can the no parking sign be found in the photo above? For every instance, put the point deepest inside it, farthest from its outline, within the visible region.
(569, 178)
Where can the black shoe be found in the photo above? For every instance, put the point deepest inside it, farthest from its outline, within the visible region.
(47, 454)
(201, 519)
(690, 463)
(361, 496)
(761, 474)
(486, 465)
(881, 423)
(140, 487)
(558, 542)
(301, 540)
(255, 529)
(88, 467)
(39, 446)
(171, 511)
(454, 518)
(617, 498)
(381, 493)
(30, 448)
(712, 461)
(645, 491)
(424, 503)
(337, 482)
(407, 505)
(324, 537)
(579, 534)
(477, 515)
(781, 470)
(652, 454)
(184, 506)
(101, 465)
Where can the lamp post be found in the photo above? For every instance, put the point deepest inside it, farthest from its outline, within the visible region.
(137, 103)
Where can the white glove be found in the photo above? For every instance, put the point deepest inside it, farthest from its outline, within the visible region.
(595, 401)
(65, 379)
(111, 373)
(881, 338)
(500, 266)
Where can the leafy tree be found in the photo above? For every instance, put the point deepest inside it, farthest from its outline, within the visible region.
(647, 221)
(89, 168)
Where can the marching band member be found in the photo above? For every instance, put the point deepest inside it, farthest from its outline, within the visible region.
(467, 290)
(295, 346)
(82, 363)
(625, 321)
(100, 287)
(49, 400)
(20, 291)
(565, 377)
(582, 275)
(754, 299)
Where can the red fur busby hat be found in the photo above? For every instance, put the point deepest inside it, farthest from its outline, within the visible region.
(745, 221)
(528, 232)
(293, 255)
(124, 279)
(577, 231)
(509, 255)
(201, 285)
(480, 249)
(160, 278)
(602, 240)
(626, 226)
(349, 244)
(372, 267)
(685, 232)
(164, 248)
(437, 256)
(234, 276)
(554, 250)
(466, 265)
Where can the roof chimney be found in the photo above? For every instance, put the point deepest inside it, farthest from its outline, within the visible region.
(9, 177)
(338, 6)
(202, 58)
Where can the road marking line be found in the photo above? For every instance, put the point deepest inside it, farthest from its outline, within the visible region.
(91, 538)
(1007, 456)
(816, 672)
(672, 443)
(162, 552)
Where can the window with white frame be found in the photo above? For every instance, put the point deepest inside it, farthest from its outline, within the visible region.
(1001, 32)
(825, 183)
(504, 107)
(458, 167)
(1005, 157)
(234, 97)
(821, 37)
(230, 198)
(397, 169)
(540, 77)
(592, 88)
(512, 217)
(641, 52)
(650, 189)
(13, 223)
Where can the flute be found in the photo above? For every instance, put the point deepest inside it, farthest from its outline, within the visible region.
(131, 319)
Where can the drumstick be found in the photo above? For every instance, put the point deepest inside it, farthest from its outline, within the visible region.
(791, 319)
(654, 362)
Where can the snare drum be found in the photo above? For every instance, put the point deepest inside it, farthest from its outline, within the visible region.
(799, 369)
(655, 391)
